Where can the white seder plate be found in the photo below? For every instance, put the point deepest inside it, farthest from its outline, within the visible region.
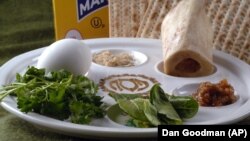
(227, 66)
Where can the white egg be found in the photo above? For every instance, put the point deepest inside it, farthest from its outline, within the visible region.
(69, 54)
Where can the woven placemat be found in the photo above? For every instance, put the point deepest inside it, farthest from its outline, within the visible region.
(230, 20)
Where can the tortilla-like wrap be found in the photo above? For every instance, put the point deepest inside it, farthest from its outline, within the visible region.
(187, 38)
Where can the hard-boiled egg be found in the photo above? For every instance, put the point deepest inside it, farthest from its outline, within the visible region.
(68, 54)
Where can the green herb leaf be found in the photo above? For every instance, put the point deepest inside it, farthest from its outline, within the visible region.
(134, 108)
(117, 97)
(137, 123)
(185, 106)
(158, 108)
(162, 104)
(58, 94)
(151, 113)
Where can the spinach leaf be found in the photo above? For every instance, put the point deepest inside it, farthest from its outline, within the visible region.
(157, 108)
(151, 113)
(162, 104)
(134, 108)
(137, 123)
(185, 106)
(117, 97)
(132, 117)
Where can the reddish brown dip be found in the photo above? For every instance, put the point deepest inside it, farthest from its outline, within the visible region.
(219, 94)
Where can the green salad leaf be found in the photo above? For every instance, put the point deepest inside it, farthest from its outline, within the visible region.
(185, 106)
(58, 94)
(138, 123)
(163, 106)
(125, 96)
(157, 108)
(151, 113)
(134, 107)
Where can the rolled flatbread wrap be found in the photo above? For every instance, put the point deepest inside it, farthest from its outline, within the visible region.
(187, 38)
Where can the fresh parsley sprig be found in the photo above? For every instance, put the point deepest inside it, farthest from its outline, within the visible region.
(58, 94)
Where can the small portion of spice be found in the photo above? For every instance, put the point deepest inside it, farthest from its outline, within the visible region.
(127, 83)
(107, 58)
(219, 94)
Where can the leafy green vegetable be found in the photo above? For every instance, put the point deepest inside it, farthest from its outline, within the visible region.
(58, 94)
(185, 106)
(125, 96)
(134, 107)
(151, 113)
(162, 104)
(137, 123)
(158, 108)
(143, 113)
(82, 112)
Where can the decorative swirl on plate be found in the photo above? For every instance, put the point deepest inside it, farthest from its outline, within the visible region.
(127, 83)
